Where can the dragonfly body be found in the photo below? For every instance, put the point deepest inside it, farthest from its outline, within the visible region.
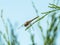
(28, 22)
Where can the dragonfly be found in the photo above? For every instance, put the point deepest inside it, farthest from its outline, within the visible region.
(29, 21)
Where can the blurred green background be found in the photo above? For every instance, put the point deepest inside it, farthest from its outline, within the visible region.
(43, 31)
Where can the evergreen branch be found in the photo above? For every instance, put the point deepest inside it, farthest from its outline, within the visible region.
(54, 6)
(46, 13)
(35, 22)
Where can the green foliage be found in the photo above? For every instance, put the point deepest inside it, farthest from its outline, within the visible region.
(32, 39)
(35, 22)
(52, 27)
(49, 39)
(54, 6)
(6, 36)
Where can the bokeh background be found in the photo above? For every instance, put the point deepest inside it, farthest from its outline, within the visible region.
(16, 13)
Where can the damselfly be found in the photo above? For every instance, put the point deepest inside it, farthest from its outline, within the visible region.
(28, 22)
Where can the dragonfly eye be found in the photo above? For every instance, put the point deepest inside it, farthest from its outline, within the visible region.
(27, 23)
